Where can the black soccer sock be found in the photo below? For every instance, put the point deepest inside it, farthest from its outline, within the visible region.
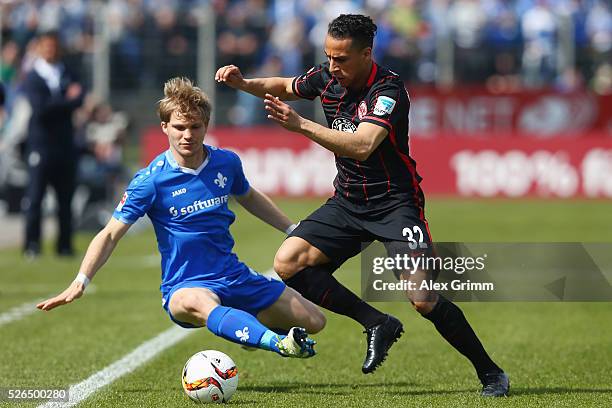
(454, 327)
(317, 284)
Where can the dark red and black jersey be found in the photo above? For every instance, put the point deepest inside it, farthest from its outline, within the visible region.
(388, 177)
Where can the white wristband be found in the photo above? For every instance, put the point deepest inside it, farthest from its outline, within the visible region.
(290, 229)
(82, 278)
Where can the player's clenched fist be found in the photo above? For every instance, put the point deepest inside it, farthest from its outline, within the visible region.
(231, 75)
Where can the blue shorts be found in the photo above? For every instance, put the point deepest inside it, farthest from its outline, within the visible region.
(248, 291)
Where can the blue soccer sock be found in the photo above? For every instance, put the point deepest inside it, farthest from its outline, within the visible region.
(243, 328)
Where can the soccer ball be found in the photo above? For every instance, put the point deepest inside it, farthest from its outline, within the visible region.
(210, 376)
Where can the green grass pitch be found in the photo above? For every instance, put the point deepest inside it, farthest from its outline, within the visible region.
(557, 354)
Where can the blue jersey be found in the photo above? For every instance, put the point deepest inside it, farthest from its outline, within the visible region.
(190, 214)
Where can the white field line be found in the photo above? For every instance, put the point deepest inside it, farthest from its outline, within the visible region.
(19, 312)
(271, 274)
(27, 308)
(139, 356)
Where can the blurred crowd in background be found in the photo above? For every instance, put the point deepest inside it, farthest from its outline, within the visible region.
(498, 45)
(514, 43)
(502, 44)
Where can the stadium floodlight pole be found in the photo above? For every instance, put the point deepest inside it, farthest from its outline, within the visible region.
(101, 53)
(566, 50)
(445, 58)
(206, 58)
(1, 28)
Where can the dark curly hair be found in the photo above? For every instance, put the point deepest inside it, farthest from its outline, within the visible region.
(361, 29)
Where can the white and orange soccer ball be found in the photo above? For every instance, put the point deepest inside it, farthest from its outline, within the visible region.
(210, 376)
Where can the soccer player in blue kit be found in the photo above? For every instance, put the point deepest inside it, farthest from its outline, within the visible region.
(185, 193)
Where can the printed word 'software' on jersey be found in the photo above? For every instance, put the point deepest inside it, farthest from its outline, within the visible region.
(190, 214)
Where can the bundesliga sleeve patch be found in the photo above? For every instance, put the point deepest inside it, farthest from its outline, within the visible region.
(122, 202)
(384, 105)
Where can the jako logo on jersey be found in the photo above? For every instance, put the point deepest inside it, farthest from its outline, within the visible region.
(123, 200)
(344, 125)
(179, 192)
(384, 106)
(220, 180)
(198, 205)
(243, 334)
(362, 110)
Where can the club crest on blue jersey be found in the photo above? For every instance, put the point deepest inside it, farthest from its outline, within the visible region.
(220, 180)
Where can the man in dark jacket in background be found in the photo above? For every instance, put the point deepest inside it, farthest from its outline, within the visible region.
(2, 97)
(53, 94)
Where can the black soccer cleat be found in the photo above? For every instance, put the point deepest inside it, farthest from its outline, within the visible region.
(495, 384)
(380, 339)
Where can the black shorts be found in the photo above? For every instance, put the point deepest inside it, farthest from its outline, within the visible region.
(341, 233)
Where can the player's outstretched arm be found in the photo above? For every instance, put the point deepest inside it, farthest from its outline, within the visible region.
(261, 206)
(99, 250)
(358, 145)
(277, 86)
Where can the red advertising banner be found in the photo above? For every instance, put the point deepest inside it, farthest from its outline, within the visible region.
(283, 163)
(474, 110)
(558, 167)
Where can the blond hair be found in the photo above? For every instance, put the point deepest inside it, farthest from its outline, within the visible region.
(184, 98)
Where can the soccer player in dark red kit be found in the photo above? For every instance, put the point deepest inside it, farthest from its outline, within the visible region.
(377, 193)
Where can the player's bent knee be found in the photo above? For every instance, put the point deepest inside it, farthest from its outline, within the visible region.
(189, 307)
(283, 267)
(287, 263)
(294, 255)
(423, 307)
